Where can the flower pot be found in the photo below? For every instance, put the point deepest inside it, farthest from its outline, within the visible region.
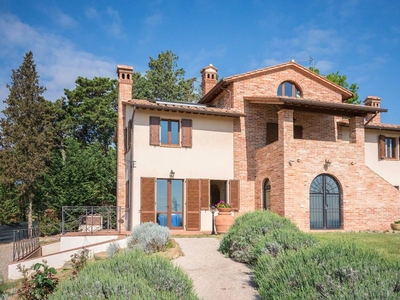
(223, 220)
(395, 226)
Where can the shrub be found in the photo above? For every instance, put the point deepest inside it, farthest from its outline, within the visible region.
(149, 237)
(333, 270)
(39, 281)
(129, 275)
(79, 260)
(256, 232)
(49, 224)
(112, 249)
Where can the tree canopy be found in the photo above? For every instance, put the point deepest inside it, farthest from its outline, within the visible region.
(26, 132)
(164, 81)
(342, 81)
(89, 112)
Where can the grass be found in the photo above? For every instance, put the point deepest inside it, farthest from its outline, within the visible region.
(387, 244)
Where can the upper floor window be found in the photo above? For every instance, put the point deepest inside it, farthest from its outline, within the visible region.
(289, 89)
(388, 147)
(169, 132)
(172, 133)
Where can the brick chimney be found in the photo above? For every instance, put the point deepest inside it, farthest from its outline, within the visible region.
(373, 101)
(208, 78)
(125, 82)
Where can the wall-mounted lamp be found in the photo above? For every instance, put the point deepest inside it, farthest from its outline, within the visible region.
(327, 163)
(171, 174)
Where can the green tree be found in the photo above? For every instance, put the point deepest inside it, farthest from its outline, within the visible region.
(9, 204)
(86, 177)
(89, 112)
(342, 81)
(164, 81)
(26, 133)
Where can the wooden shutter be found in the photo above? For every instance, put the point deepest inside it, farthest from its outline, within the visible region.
(272, 133)
(204, 194)
(382, 147)
(154, 131)
(147, 200)
(234, 194)
(186, 125)
(127, 191)
(125, 140)
(129, 133)
(192, 204)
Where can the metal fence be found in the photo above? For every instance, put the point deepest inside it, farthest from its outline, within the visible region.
(92, 219)
(25, 242)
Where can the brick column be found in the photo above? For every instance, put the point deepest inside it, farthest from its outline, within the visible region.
(356, 127)
(285, 125)
(124, 93)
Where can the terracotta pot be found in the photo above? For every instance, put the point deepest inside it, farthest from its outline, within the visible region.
(395, 226)
(223, 220)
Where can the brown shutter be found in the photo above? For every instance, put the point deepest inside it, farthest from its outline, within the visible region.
(381, 146)
(154, 131)
(127, 191)
(192, 204)
(205, 194)
(125, 140)
(129, 133)
(186, 125)
(147, 200)
(234, 194)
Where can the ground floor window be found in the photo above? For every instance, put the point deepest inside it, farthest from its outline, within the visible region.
(325, 204)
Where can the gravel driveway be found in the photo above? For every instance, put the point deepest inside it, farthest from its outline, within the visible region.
(214, 276)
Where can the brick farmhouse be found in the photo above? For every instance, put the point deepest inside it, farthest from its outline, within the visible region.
(280, 138)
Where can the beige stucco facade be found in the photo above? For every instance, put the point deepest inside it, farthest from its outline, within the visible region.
(210, 157)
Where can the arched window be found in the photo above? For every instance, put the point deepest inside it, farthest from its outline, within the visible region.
(267, 194)
(325, 204)
(289, 89)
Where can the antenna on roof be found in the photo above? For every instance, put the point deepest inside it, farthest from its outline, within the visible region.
(310, 61)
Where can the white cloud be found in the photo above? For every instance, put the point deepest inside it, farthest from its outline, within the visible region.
(110, 20)
(58, 61)
(153, 20)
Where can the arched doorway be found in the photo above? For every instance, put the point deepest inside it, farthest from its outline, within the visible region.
(267, 194)
(325, 206)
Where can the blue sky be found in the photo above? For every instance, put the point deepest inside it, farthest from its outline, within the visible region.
(89, 38)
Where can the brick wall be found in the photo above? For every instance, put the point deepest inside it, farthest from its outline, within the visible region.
(124, 93)
(368, 201)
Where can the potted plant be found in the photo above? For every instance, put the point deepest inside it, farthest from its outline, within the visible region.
(223, 206)
(224, 219)
(395, 225)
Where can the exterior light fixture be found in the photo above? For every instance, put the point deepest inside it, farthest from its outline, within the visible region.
(291, 162)
(213, 208)
(171, 174)
(327, 163)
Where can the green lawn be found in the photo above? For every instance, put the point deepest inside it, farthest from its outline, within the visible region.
(388, 244)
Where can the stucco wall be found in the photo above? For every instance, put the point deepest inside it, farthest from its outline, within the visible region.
(211, 155)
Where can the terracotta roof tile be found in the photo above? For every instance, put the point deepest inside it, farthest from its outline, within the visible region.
(184, 107)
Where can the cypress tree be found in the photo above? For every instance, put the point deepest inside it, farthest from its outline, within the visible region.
(25, 133)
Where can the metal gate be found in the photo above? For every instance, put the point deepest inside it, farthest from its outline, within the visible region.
(325, 204)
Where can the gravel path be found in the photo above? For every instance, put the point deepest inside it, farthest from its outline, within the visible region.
(214, 276)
